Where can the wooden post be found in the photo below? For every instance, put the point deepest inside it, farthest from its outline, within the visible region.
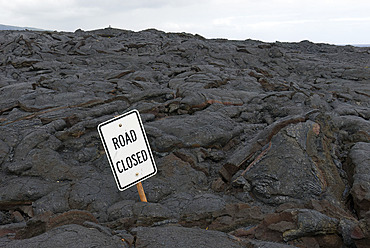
(141, 192)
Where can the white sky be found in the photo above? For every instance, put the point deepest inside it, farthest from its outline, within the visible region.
(329, 21)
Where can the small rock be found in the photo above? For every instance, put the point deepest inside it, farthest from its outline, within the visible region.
(17, 217)
(218, 185)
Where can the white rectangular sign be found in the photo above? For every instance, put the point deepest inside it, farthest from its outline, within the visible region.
(127, 149)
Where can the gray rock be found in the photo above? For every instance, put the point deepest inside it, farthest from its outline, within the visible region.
(265, 244)
(25, 189)
(193, 131)
(304, 173)
(121, 209)
(204, 203)
(210, 108)
(310, 223)
(56, 201)
(4, 149)
(360, 171)
(94, 193)
(148, 213)
(70, 236)
(175, 236)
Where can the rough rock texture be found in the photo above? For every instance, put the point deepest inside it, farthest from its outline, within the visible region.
(360, 157)
(70, 235)
(257, 144)
(173, 236)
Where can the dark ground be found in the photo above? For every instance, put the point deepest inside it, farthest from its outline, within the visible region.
(257, 144)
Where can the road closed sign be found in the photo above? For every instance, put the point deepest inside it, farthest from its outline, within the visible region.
(127, 149)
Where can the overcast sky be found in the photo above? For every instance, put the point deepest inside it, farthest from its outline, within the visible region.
(329, 21)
